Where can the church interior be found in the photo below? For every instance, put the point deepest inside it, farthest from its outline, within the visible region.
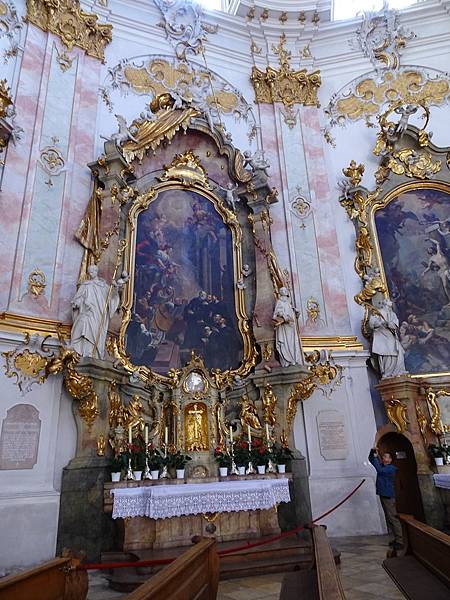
(225, 299)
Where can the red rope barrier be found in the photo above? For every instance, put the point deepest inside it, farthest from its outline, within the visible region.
(247, 546)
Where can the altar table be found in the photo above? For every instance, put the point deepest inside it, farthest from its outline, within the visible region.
(442, 480)
(166, 501)
(166, 515)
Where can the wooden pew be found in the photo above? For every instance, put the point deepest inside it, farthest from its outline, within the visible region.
(322, 581)
(192, 576)
(423, 569)
(53, 580)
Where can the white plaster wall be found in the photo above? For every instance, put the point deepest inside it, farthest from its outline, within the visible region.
(29, 498)
(331, 480)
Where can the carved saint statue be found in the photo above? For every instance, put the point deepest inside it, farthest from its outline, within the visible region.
(93, 306)
(386, 341)
(249, 415)
(286, 331)
(196, 432)
(269, 401)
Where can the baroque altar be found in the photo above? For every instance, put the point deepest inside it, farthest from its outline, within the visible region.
(183, 322)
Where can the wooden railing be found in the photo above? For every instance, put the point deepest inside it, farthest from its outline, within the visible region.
(53, 580)
(192, 576)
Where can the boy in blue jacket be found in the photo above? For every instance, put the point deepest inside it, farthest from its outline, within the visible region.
(385, 489)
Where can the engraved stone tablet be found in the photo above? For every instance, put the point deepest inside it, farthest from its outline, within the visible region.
(332, 435)
(19, 440)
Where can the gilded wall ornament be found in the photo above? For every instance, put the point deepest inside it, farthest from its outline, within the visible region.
(5, 98)
(283, 84)
(184, 26)
(36, 282)
(436, 424)
(397, 413)
(301, 207)
(422, 421)
(51, 160)
(27, 363)
(64, 60)
(187, 169)
(269, 402)
(72, 25)
(372, 93)
(413, 163)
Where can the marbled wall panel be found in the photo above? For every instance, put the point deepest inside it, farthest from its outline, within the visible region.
(17, 178)
(48, 193)
(324, 209)
(303, 249)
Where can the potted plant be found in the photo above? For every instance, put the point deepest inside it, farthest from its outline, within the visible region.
(178, 462)
(241, 456)
(155, 461)
(281, 454)
(438, 453)
(116, 464)
(260, 455)
(223, 460)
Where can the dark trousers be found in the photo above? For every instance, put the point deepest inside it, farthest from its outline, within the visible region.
(393, 522)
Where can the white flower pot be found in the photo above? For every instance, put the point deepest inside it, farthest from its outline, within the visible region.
(281, 468)
(223, 471)
(155, 474)
(116, 476)
(439, 460)
(137, 475)
(261, 469)
(180, 473)
(241, 470)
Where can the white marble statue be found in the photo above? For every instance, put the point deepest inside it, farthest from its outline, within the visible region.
(231, 197)
(286, 331)
(93, 307)
(256, 161)
(386, 341)
(124, 133)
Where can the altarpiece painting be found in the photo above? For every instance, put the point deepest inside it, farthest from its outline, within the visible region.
(413, 232)
(184, 292)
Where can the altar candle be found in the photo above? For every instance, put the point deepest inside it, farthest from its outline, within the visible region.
(130, 436)
(166, 436)
(231, 435)
(267, 432)
(249, 435)
(146, 435)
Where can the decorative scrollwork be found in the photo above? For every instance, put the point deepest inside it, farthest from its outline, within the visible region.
(397, 413)
(283, 84)
(36, 282)
(27, 363)
(72, 25)
(436, 425)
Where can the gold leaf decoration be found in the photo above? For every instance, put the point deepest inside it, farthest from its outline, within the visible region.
(72, 25)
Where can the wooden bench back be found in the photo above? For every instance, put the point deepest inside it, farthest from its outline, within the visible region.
(430, 546)
(53, 580)
(192, 576)
(328, 582)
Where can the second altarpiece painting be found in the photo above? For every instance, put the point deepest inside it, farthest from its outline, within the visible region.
(184, 291)
(413, 231)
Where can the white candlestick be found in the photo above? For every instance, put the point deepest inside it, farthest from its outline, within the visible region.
(130, 435)
(231, 435)
(166, 436)
(249, 434)
(267, 433)
(146, 435)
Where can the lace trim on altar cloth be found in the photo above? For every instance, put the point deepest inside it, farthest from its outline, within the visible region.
(166, 501)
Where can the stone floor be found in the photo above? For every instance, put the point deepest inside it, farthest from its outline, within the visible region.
(361, 574)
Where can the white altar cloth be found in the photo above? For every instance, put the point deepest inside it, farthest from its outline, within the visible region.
(165, 501)
(442, 480)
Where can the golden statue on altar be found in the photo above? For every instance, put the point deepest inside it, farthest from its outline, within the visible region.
(196, 426)
(269, 401)
(249, 415)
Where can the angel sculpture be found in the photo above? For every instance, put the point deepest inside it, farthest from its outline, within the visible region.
(231, 197)
(124, 134)
(405, 112)
(256, 161)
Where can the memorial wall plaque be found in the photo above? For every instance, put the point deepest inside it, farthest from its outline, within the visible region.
(19, 439)
(332, 435)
